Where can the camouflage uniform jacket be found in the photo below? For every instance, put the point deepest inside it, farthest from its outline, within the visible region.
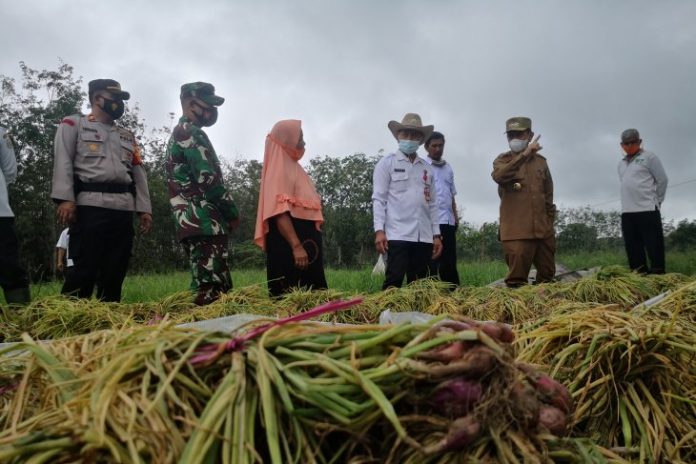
(525, 188)
(200, 202)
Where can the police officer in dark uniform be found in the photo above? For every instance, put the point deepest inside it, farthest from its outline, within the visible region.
(98, 182)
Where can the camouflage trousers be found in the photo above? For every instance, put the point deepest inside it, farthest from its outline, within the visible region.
(210, 274)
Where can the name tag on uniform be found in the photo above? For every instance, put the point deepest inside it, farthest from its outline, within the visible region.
(399, 170)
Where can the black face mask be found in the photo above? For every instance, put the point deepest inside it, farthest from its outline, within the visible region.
(209, 120)
(113, 108)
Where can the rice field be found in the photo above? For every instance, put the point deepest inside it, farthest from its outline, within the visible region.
(154, 287)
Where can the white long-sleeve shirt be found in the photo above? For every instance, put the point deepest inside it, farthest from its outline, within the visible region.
(404, 200)
(8, 172)
(64, 243)
(643, 182)
(444, 185)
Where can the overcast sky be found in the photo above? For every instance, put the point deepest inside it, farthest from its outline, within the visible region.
(583, 70)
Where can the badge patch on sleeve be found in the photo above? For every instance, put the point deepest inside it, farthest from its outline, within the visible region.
(137, 156)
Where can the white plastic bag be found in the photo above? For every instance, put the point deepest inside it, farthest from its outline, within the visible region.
(380, 265)
(414, 317)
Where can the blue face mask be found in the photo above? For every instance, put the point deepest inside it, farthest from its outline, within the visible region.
(408, 146)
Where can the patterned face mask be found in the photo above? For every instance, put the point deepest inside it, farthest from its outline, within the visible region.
(207, 117)
(113, 108)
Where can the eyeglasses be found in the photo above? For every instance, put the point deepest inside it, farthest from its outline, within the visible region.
(625, 144)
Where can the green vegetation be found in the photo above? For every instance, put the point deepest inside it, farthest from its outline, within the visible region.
(31, 107)
(155, 287)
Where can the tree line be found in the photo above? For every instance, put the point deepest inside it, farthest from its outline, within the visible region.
(32, 107)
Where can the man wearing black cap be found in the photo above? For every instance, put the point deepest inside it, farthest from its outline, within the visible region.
(204, 211)
(643, 188)
(98, 182)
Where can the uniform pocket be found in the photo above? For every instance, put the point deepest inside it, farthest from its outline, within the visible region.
(127, 153)
(399, 181)
(540, 174)
(91, 144)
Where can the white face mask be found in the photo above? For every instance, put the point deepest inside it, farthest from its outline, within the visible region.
(409, 147)
(517, 145)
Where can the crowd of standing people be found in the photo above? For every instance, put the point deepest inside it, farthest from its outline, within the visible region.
(99, 184)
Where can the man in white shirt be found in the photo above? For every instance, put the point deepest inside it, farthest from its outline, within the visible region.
(13, 278)
(643, 188)
(446, 265)
(63, 260)
(404, 205)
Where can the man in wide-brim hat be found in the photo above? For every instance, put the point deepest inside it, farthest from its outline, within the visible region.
(404, 205)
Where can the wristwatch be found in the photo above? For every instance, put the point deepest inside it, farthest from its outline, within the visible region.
(437, 236)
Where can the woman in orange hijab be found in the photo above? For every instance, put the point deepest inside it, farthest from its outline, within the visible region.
(288, 219)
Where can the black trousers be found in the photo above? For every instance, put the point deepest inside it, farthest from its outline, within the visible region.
(446, 265)
(642, 232)
(12, 275)
(100, 246)
(281, 272)
(408, 259)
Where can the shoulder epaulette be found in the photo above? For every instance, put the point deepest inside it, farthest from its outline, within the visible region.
(71, 120)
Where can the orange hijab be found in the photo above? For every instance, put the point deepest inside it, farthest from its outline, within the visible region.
(285, 186)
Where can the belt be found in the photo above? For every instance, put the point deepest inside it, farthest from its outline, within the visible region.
(103, 187)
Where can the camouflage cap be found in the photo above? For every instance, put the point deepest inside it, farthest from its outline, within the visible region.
(630, 135)
(203, 91)
(518, 123)
(109, 85)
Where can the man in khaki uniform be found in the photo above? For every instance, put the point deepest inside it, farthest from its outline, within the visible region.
(527, 211)
(98, 182)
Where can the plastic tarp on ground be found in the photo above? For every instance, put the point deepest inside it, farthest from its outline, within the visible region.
(563, 274)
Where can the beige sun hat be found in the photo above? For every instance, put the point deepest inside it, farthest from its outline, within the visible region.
(411, 121)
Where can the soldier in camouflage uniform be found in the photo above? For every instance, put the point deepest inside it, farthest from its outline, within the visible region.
(203, 209)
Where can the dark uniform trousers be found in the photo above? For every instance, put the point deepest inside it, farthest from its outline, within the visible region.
(408, 259)
(100, 247)
(12, 276)
(446, 265)
(521, 254)
(643, 231)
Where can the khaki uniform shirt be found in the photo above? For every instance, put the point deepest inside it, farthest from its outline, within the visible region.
(96, 152)
(525, 188)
